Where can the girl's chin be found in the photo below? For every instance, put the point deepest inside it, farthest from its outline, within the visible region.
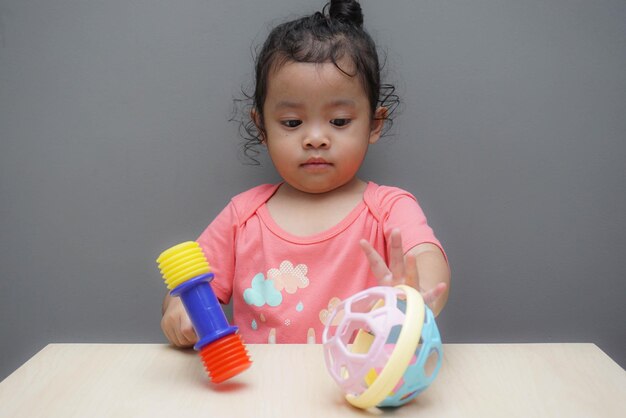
(318, 188)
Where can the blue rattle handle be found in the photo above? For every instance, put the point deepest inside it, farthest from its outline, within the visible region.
(204, 310)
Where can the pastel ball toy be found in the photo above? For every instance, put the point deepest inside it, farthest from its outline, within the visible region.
(377, 344)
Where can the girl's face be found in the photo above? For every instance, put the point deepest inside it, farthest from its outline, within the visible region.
(317, 125)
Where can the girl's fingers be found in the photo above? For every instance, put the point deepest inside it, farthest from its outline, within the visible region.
(387, 280)
(188, 332)
(396, 256)
(168, 329)
(168, 334)
(401, 270)
(434, 294)
(178, 331)
(377, 263)
(179, 339)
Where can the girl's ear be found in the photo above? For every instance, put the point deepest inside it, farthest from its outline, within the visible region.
(378, 122)
(256, 119)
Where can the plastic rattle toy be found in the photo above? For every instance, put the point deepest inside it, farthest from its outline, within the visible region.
(376, 344)
(187, 274)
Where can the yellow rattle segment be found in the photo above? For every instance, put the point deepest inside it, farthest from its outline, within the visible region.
(181, 263)
(403, 352)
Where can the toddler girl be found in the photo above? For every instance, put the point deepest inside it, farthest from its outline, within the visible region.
(288, 253)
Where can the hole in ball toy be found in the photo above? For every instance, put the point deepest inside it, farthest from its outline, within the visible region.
(332, 321)
(394, 333)
(370, 377)
(358, 337)
(408, 395)
(344, 373)
(401, 303)
(431, 363)
(367, 303)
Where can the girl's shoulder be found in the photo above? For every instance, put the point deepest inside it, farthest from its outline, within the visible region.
(380, 199)
(247, 203)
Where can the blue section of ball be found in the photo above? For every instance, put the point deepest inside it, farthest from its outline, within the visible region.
(416, 379)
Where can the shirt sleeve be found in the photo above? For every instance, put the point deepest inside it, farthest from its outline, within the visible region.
(218, 243)
(400, 209)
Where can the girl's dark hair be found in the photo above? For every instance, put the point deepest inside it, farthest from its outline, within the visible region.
(327, 36)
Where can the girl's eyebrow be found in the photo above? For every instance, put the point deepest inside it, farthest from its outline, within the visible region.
(342, 102)
(286, 104)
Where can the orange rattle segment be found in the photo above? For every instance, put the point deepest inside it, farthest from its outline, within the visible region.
(225, 358)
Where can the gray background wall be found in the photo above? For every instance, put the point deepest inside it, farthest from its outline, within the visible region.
(115, 144)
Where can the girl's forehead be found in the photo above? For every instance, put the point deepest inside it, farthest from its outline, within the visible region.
(344, 64)
(302, 75)
(301, 85)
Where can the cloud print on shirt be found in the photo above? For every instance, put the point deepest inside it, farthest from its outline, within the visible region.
(288, 277)
(262, 292)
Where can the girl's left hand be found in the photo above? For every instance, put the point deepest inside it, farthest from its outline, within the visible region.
(401, 270)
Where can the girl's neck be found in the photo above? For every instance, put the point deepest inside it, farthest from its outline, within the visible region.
(354, 188)
(306, 214)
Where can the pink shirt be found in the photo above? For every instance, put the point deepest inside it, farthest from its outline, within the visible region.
(283, 286)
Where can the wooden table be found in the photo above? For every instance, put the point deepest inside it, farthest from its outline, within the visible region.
(151, 380)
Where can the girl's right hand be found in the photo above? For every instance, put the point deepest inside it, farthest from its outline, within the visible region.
(402, 269)
(176, 324)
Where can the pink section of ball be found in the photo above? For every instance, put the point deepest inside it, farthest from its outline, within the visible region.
(348, 368)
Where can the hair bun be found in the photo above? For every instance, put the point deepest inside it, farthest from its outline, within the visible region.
(346, 11)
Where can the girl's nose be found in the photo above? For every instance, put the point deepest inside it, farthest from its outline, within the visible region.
(314, 140)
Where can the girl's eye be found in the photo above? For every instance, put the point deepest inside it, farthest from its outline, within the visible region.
(291, 123)
(340, 122)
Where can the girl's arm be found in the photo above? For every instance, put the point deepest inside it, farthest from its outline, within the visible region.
(424, 267)
(431, 274)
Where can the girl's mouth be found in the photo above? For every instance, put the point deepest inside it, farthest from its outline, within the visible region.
(314, 161)
(316, 164)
